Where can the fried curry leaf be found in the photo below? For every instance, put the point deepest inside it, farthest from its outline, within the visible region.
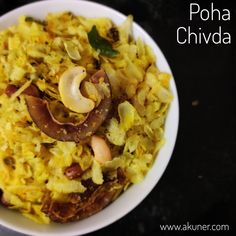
(31, 19)
(100, 43)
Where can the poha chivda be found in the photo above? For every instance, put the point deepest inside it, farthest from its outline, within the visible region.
(82, 112)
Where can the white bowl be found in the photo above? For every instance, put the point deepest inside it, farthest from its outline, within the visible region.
(135, 194)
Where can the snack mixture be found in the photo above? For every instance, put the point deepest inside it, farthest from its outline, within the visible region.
(82, 112)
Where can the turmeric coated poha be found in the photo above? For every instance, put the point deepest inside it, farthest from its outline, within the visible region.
(82, 112)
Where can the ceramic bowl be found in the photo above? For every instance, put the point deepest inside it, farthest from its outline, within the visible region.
(136, 193)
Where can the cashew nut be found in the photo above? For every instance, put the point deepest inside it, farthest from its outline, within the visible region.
(69, 89)
(41, 115)
(102, 152)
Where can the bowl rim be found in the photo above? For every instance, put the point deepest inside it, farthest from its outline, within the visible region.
(174, 105)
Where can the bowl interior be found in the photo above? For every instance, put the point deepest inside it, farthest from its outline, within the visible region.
(135, 194)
